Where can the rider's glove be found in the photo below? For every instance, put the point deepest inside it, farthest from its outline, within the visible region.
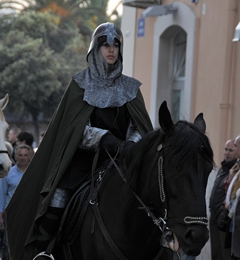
(110, 143)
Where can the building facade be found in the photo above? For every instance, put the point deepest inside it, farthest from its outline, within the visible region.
(182, 51)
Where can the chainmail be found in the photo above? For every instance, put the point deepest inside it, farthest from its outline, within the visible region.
(104, 84)
(60, 198)
(132, 133)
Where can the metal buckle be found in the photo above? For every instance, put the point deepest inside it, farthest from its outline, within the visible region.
(44, 254)
(166, 238)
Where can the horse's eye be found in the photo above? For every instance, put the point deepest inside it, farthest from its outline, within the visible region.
(201, 149)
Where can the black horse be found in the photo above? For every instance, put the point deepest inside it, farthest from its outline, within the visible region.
(153, 203)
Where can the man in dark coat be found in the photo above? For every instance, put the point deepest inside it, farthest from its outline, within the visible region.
(236, 231)
(99, 95)
(217, 209)
(235, 247)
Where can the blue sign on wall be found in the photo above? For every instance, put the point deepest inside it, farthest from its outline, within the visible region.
(141, 25)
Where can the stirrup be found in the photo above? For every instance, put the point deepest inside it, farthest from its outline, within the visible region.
(44, 254)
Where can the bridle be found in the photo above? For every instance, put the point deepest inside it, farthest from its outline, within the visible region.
(2, 119)
(93, 201)
(3, 151)
(160, 222)
(188, 219)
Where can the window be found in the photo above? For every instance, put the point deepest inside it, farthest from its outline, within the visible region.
(179, 61)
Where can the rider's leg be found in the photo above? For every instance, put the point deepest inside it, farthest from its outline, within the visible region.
(49, 223)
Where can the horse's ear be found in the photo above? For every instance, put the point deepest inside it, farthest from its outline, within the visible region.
(4, 101)
(165, 119)
(199, 122)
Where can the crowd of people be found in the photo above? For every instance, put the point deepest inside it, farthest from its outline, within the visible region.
(225, 206)
(110, 116)
(19, 145)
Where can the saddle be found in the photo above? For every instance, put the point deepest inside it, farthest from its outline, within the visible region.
(75, 211)
(88, 194)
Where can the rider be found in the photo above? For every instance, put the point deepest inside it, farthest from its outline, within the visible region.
(101, 109)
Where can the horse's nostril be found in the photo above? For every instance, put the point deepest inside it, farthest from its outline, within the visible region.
(190, 236)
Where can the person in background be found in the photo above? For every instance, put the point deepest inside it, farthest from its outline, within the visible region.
(41, 135)
(1, 241)
(233, 204)
(12, 137)
(27, 138)
(182, 256)
(101, 113)
(217, 208)
(9, 184)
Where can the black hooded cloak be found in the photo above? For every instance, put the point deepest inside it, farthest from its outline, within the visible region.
(62, 138)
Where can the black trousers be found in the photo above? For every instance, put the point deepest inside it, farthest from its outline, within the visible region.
(217, 239)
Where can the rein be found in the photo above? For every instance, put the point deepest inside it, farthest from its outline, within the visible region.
(156, 221)
(3, 151)
(94, 203)
(160, 222)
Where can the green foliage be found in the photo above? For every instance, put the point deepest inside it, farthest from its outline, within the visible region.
(37, 60)
(86, 14)
(41, 47)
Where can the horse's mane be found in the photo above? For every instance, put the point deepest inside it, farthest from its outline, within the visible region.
(187, 141)
(182, 147)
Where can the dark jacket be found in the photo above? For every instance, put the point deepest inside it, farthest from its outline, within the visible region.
(49, 164)
(236, 231)
(218, 194)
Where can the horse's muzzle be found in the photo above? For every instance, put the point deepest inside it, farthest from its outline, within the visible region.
(169, 240)
(193, 239)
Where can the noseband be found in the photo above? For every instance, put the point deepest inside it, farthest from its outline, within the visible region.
(3, 151)
(188, 219)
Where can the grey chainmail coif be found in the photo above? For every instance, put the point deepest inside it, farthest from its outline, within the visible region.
(104, 84)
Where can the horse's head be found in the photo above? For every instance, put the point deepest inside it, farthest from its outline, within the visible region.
(184, 164)
(168, 169)
(5, 162)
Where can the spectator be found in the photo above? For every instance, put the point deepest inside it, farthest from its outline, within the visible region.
(233, 204)
(1, 240)
(12, 137)
(216, 205)
(182, 256)
(235, 249)
(26, 138)
(41, 135)
(8, 185)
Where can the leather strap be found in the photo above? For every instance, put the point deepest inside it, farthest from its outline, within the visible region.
(50, 246)
(106, 234)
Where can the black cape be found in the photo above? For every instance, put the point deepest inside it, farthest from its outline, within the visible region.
(32, 196)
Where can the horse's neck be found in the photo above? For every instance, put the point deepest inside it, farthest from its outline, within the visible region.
(121, 200)
(2, 137)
